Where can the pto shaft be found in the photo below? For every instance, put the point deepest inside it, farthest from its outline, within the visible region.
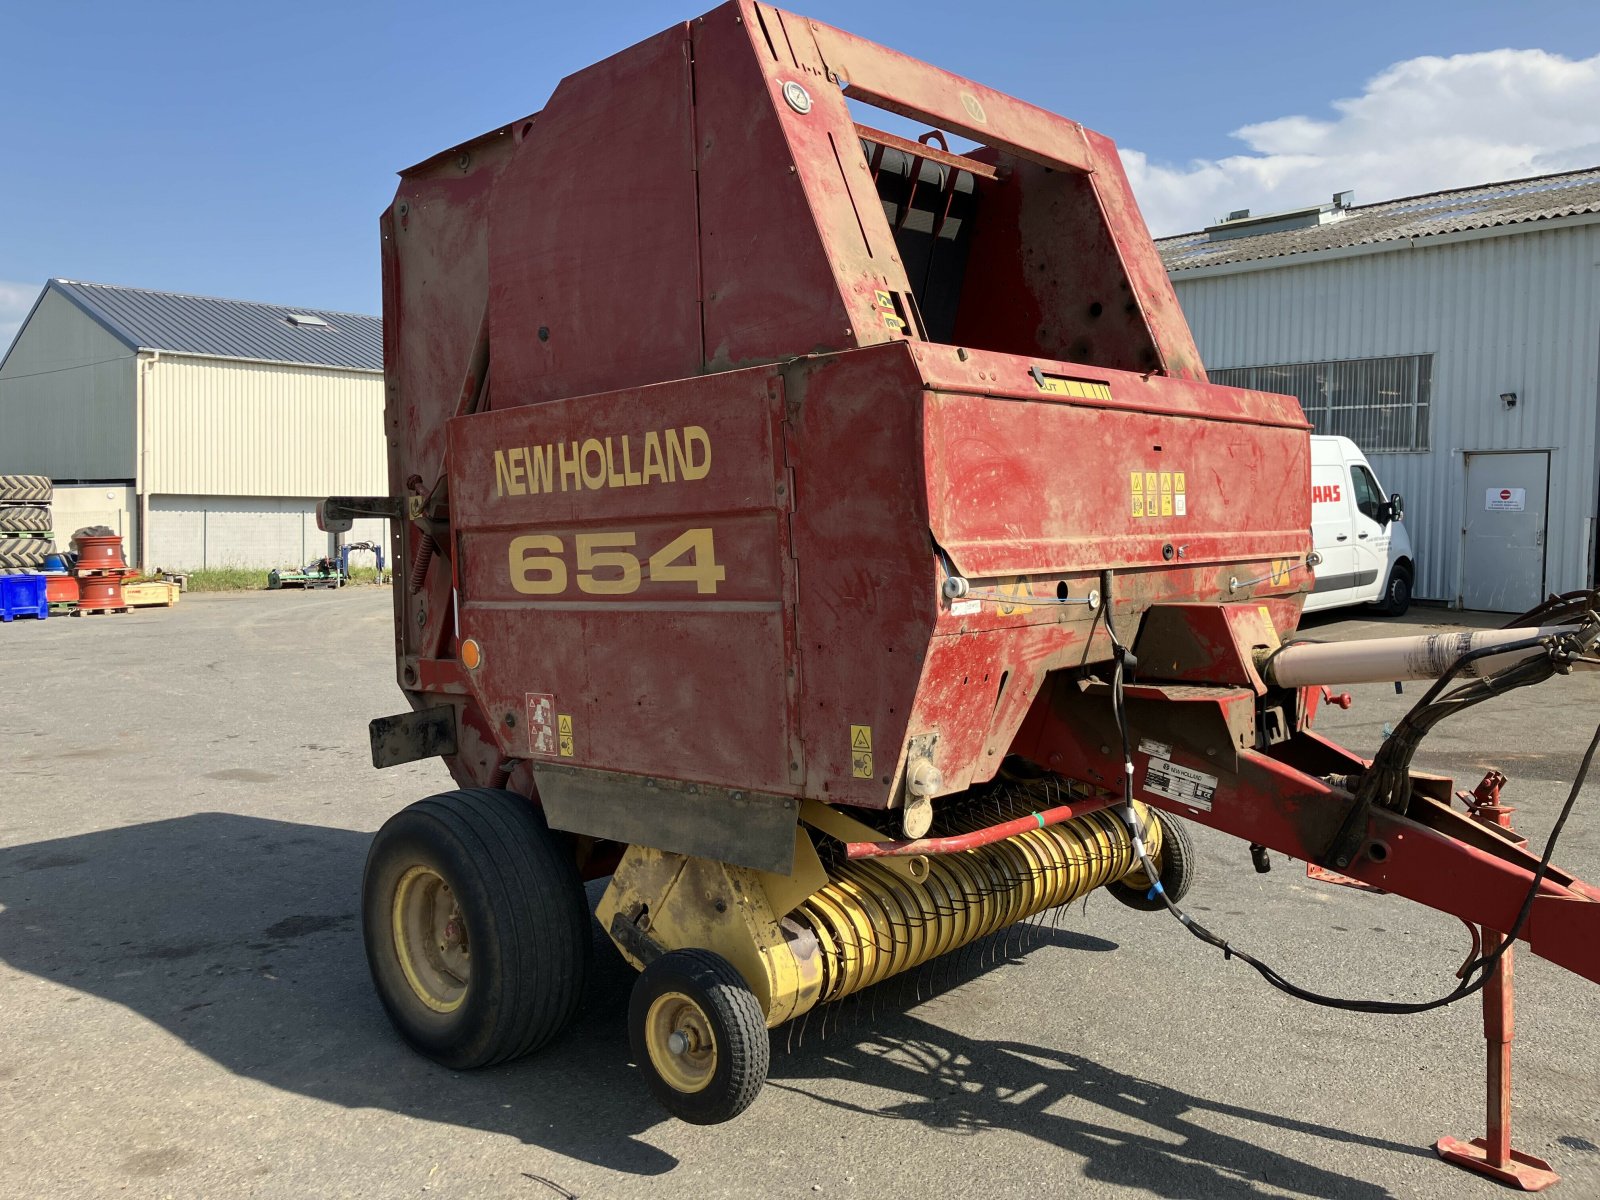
(1383, 660)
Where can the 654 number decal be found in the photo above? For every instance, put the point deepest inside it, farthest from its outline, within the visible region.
(605, 564)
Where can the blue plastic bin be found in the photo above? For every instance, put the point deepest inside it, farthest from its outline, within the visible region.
(23, 596)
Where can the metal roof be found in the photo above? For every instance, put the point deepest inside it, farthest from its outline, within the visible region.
(237, 329)
(1513, 202)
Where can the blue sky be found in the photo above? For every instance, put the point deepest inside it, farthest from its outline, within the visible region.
(246, 149)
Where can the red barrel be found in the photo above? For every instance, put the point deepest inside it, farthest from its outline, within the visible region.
(61, 589)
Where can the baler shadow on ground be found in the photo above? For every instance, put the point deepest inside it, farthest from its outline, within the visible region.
(240, 936)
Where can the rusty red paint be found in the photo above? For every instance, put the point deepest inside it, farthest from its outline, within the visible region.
(689, 236)
(1492, 1154)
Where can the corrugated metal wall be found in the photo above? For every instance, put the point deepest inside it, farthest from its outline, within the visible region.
(1517, 313)
(222, 428)
(67, 398)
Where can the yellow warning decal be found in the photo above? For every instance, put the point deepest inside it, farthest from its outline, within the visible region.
(1280, 572)
(892, 321)
(1158, 494)
(1271, 630)
(885, 300)
(564, 734)
(1078, 389)
(861, 751)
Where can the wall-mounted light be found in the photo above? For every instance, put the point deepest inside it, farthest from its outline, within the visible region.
(1509, 399)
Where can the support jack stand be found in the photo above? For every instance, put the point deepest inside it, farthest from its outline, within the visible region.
(1492, 1154)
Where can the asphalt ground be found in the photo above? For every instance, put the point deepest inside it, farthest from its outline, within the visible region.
(185, 803)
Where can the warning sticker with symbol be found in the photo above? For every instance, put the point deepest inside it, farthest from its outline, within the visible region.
(564, 734)
(1157, 494)
(861, 751)
(541, 723)
(1506, 499)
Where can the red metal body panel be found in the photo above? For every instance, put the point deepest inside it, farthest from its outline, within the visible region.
(681, 450)
(609, 300)
(530, 306)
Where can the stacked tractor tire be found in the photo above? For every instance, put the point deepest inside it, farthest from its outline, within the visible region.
(25, 545)
(25, 524)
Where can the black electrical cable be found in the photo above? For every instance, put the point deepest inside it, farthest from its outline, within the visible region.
(1473, 976)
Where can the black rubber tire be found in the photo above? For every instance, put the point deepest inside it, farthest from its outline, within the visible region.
(31, 489)
(738, 1027)
(25, 516)
(526, 914)
(1397, 596)
(25, 551)
(1177, 867)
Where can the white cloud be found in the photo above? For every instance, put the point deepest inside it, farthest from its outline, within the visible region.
(1422, 125)
(15, 301)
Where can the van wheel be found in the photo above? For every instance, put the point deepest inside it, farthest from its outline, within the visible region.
(1398, 596)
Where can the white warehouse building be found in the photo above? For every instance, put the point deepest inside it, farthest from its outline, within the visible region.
(203, 430)
(1455, 337)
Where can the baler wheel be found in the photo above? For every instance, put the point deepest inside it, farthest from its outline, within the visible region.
(476, 926)
(699, 1036)
(1177, 868)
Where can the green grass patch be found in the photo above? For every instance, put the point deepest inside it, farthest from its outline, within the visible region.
(226, 579)
(250, 579)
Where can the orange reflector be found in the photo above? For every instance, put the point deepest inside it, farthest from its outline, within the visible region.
(471, 654)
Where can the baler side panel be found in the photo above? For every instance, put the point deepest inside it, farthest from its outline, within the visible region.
(1024, 487)
(571, 583)
(592, 235)
(436, 287)
(867, 578)
(1141, 263)
(796, 272)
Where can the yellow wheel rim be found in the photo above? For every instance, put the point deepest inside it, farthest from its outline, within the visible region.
(430, 939)
(683, 1050)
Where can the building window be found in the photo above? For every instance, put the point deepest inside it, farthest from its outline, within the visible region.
(1378, 403)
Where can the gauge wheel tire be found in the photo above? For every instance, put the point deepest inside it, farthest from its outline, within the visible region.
(1397, 596)
(30, 489)
(476, 926)
(1177, 868)
(718, 1069)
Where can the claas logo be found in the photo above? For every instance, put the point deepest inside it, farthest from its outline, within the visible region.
(1325, 495)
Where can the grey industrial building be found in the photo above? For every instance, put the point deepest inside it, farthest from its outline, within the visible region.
(1455, 337)
(204, 430)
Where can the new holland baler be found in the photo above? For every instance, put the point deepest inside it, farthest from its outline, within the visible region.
(831, 537)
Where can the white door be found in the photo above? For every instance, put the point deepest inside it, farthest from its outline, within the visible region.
(1503, 532)
(1332, 535)
(1372, 535)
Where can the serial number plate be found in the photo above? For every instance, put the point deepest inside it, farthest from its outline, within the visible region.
(1172, 782)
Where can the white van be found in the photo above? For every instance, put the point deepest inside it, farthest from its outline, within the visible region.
(1366, 552)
